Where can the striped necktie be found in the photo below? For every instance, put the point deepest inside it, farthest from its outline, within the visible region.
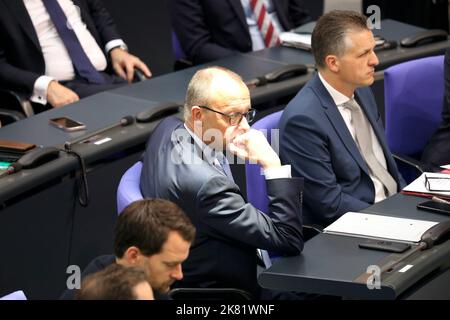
(265, 23)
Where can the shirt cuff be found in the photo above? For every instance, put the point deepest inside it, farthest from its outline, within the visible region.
(40, 89)
(112, 44)
(278, 173)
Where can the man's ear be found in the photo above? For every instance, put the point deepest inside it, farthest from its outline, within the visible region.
(332, 62)
(196, 113)
(131, 255)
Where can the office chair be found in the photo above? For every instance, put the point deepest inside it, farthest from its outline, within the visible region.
(16, 295)
(181, 61)
(414, 93)
(129, 190)
(8, 116)
(255, 180)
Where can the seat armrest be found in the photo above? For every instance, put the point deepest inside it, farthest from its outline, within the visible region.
(417, 164)
(8, 116)
(12, 100)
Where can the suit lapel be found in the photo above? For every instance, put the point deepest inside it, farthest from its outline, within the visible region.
(280, 14)
(337, 122)
(237, 7)
(19, 10)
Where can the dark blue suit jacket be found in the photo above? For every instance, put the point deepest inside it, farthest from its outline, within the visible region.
(212, 29)
(315, 140)
(228, 228)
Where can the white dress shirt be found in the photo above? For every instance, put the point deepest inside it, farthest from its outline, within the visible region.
(58, 64)
(339, 99)
(255, 33)
(271, 173)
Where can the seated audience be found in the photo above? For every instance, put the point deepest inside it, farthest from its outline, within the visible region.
(153, 234)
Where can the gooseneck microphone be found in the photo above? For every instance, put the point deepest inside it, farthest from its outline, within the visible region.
(125, 121)
(387, 45)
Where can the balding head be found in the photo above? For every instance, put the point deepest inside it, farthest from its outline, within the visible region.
(211, 86)
(215, 98)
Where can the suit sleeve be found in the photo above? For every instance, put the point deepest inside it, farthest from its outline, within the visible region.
(298, 14)
(304, 146)
(14, 78)
(188, 22)
(223, 209)
(103, 21)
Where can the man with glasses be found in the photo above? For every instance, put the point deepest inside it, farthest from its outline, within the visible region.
(185, 163)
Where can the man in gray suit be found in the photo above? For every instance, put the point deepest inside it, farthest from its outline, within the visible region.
(185, 163)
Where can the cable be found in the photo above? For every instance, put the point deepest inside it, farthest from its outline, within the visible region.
(82, 184)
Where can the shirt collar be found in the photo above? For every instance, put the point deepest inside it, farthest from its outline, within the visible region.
(210, 155)
(338, 98)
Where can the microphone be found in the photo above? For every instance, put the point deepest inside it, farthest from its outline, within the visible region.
(13, 168)
(125, 121)
(387, 45)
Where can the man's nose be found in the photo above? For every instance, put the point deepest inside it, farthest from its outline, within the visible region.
(243, 125)
(178, 273)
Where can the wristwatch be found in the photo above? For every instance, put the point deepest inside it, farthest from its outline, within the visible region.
(122, 46)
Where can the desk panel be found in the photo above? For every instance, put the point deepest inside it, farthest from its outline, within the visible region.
(331, 264)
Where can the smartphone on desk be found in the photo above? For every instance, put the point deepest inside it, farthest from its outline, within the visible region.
(67, 124)
(382, 245)
(436, 207)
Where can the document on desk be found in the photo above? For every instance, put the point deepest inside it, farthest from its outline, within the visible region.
(379, 227)
(437, 183)
(296, 40)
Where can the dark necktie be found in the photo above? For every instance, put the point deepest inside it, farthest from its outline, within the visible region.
(225, 166)
(80, 60)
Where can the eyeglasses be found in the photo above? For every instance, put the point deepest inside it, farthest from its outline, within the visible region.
(437, 183)
(235, 118)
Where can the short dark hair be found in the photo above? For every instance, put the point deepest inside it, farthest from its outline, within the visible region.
(328, 36)
(115, 282)
(146, 224)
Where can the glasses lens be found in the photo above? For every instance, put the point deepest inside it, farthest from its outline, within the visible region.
(235, 119)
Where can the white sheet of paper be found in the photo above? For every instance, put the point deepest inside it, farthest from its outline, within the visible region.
(301, 41)
(418, 185)
(379, 227)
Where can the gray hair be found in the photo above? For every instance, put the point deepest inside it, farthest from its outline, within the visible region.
(199, 91)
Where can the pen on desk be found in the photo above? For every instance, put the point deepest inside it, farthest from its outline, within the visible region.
(436, 199)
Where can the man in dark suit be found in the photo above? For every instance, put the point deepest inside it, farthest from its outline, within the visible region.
(209, 29)
(153, 234)
(331, 132)
(185, 163)
(53, 51)
(437, 151)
